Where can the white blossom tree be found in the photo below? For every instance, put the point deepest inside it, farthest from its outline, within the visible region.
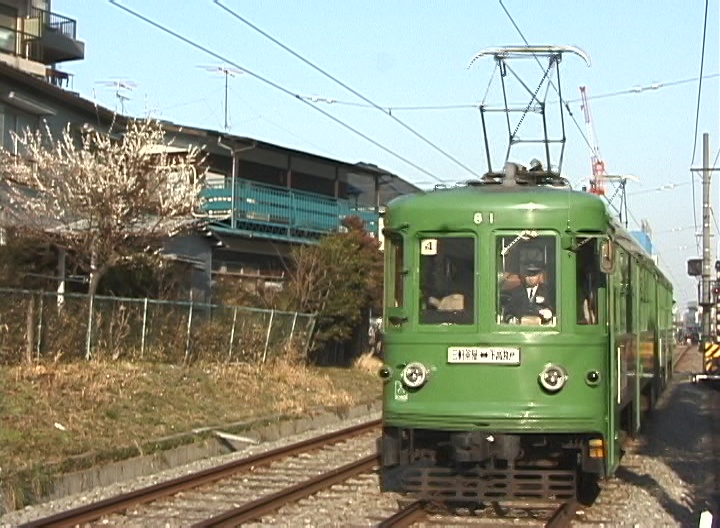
(99, 195)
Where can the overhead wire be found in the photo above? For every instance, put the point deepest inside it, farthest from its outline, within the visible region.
(273, 84)
(675, 229)
(284, 129)
(676, 82)
(712, 211)
(579, 128)
(562, 101)
(702, 65)
(194, 101)
(715, 222)
(636, 90)
(672, 275)
(643, 89)
(295, 54)
(697, 120)
(694, 208)
(666, 187)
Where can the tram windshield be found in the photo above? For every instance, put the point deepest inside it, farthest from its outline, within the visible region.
(447, 280)
(527, 282)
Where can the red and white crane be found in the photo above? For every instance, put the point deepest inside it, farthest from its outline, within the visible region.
(597, 183)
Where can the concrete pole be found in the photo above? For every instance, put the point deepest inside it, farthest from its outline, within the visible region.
(707, 255)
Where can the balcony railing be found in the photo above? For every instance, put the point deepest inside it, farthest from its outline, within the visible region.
(43, 37)
(268, 211)
(54, 22)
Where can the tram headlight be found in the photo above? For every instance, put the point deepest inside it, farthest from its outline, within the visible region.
(553, 378)
(414, 375)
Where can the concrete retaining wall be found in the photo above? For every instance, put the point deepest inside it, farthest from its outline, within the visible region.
(265, 430)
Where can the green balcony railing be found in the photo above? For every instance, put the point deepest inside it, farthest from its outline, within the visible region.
(268, 211)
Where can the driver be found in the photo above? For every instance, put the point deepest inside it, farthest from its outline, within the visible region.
(532, 298)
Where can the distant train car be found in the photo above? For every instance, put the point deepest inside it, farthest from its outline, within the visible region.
(525, 333)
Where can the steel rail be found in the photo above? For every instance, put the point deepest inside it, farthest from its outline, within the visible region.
(93, 511)
(564, 515)
(256, 509)
(409, 515)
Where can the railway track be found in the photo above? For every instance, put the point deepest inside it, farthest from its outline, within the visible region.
(234, 502)
(122, 503)
(125, 509)
(550, 516)
(257, 509)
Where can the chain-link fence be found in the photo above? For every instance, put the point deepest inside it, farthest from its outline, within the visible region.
(38, 325)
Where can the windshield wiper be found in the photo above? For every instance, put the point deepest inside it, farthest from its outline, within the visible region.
(524, 235)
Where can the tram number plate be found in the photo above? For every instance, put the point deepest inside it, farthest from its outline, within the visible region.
(495, 356)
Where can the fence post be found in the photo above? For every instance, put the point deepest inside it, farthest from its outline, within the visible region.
(232, 334)
(61, 283)
(189, 326)
(40, 326)
(30, 330)
(88, 335)
(267, 337)
(309, 337)
(292, 330)
(144, 329)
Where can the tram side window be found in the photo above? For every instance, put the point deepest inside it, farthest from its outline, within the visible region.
(396, 254)
(447, 280)
(588, 280)
(623, 294)
(630, 315)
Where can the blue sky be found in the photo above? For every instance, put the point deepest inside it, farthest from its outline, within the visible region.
(408, 54)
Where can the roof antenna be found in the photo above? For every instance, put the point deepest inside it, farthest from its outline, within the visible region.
(121, 86)
(227, 72)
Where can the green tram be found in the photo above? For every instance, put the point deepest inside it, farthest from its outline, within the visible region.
(492, 391)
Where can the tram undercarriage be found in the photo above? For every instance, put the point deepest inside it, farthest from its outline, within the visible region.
(478, 466)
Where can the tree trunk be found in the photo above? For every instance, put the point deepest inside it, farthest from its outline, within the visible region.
(95, 276)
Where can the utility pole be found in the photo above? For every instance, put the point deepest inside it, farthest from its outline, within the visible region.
(706, 257)
(710, 295)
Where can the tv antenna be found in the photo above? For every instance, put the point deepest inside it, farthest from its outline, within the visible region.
(227, 72)
(121, 88)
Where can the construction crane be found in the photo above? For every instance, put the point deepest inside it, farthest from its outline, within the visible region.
(597, 183)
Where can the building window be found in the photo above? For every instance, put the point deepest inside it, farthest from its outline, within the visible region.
(8, 29)
(15, 122)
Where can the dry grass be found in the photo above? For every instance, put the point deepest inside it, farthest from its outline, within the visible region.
(368, 362)
(52, 413)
